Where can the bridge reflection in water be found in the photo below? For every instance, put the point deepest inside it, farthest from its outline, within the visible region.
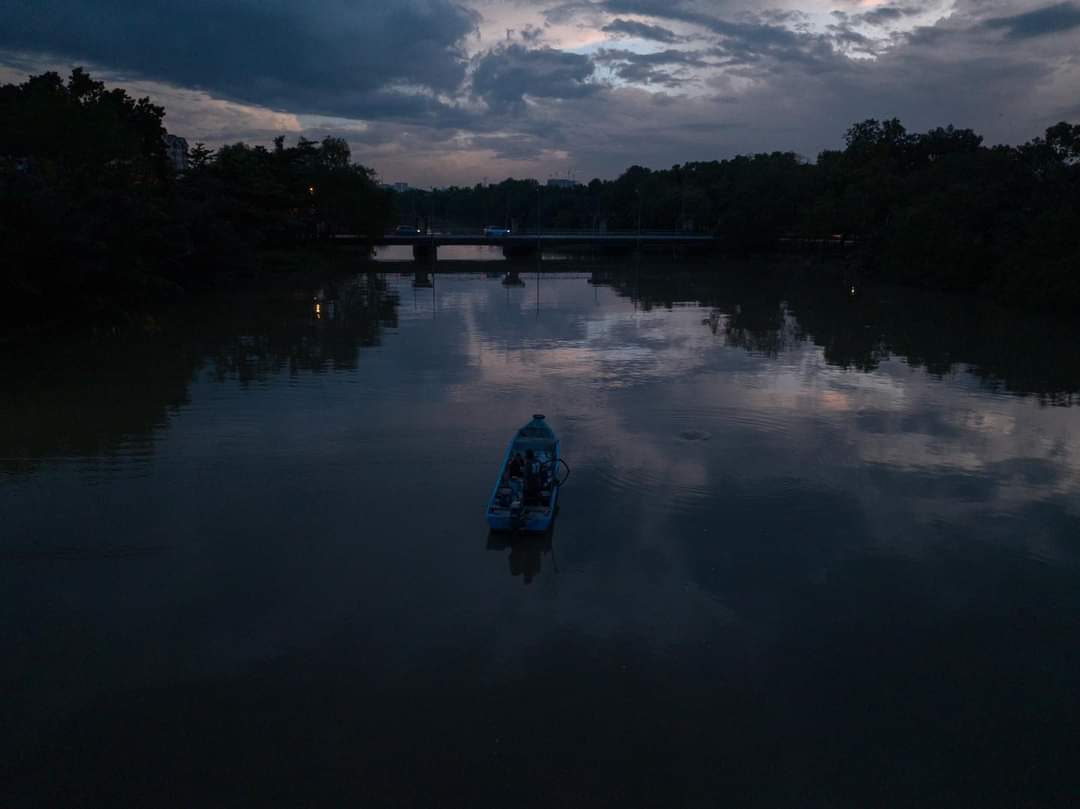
(425, 246)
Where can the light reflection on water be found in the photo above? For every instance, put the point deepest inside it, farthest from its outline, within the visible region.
(453, 252)
(812, 544)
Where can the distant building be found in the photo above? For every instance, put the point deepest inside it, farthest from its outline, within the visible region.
(562, 182)
(400, 188)
(176, 148)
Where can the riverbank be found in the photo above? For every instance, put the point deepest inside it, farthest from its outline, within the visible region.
(135, 303)
(138, 304)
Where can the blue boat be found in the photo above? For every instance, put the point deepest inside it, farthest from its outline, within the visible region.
(527, 490)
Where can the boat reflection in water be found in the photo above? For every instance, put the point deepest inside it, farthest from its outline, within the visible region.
(526, 552)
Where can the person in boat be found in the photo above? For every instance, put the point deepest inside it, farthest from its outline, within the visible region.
(532, 475)
(517, 466)
(515, 471)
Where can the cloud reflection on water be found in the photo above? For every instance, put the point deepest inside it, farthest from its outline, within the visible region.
(856, 529)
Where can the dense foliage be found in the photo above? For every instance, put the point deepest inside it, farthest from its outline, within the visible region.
(936, 209)
(96, 222)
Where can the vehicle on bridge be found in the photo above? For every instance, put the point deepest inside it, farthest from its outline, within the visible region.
(494, 232)
(406, 230)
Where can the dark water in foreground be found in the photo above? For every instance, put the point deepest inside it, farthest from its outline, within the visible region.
(818, 549)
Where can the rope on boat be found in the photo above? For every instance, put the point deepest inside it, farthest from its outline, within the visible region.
(554, 464)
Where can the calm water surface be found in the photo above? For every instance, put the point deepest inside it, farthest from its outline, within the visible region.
(820, 547)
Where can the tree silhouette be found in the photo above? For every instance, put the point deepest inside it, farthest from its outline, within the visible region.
(96, 223)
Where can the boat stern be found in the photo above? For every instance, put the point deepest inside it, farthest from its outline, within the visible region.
(535, 522)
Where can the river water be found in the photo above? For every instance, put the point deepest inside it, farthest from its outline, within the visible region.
(820, 547)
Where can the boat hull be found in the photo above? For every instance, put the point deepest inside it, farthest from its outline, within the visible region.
(509, 511)
(532, 525)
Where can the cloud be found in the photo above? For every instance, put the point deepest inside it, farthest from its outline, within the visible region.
(648, 68)
(1041, 22)
(434, 91)
(345, 57)
(565, 12)
(744, 41)
(659, 9)
(515, 146)
(844, 37)
(884, 15)
(640, 30)
(532, 33)
(505, 76)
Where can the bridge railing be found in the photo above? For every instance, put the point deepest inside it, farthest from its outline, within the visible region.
(609, 232)
(558, 232)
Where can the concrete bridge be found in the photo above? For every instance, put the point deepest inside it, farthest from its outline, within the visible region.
(425, 245)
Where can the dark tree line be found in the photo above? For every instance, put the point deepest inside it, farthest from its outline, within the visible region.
(936, 209)
(247, 336)
(96, 221)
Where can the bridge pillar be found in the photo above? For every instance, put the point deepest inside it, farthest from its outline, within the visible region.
(424, 251)
(617, 249)
(519, 250)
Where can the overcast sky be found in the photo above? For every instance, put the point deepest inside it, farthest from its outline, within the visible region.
(435, 92)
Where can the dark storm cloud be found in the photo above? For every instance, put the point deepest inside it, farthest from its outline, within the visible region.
(647, 74)
(1049, 20)
(783, 17)
(532, 33)
(741, 41)
(564, 12)
(653, 68)
(791, 20)
(439, 105)
(931, 36)
(677, 10)
(505, 76)
(757, 37)
(844, 33)
(844, 36)
(668, 57)
(518, 146)
(333, 57)
(883, 15)
(664, 9)
(641, 30)
(758, 50)
(417, 108)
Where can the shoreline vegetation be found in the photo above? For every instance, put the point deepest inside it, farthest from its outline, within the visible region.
(99, 227)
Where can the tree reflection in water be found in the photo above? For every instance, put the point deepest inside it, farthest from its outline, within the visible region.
(85, 398)
(767, 308)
